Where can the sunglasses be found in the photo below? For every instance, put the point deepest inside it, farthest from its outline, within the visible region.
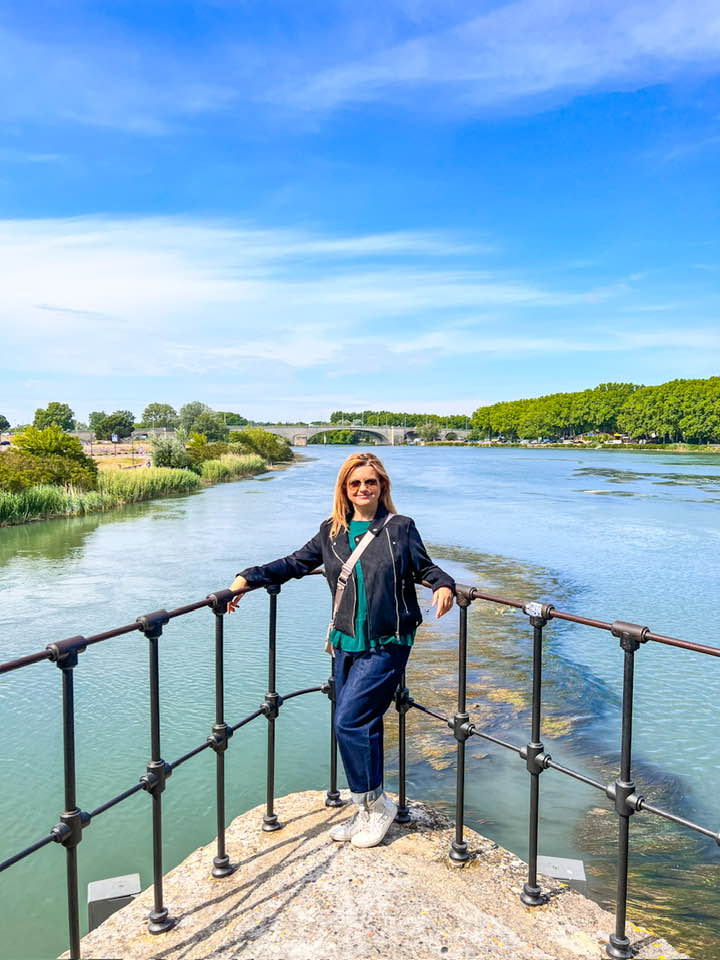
(355, 484)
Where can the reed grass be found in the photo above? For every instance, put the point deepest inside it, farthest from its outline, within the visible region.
(118, 487)
(45, 500)
(232, 466)
(114, 489)
(132, 486)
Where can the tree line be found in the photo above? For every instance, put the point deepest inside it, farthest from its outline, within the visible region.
(193, 417)
(678, 411)
(386, 418)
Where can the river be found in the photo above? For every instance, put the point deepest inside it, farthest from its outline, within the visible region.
(608, 534)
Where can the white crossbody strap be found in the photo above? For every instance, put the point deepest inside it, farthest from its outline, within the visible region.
(347, 569)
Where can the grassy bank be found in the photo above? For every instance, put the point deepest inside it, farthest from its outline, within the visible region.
(232, 466)
(118, 487)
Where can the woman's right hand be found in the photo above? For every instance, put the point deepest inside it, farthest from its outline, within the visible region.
(239, 583)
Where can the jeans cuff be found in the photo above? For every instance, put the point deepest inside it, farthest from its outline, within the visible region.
(365, 799)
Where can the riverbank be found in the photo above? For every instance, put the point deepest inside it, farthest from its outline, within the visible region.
(117, 488)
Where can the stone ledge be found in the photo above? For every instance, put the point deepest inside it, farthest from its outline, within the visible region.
(297, 895)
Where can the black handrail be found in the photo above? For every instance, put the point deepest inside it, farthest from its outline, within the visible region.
(622, 792)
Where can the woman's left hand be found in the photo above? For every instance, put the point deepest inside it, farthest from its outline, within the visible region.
(443, 600)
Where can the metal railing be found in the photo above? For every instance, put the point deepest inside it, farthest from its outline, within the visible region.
(68, 832)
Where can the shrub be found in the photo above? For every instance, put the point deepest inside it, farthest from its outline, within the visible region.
(170, 452)
(20, 470)
(265, 444)
(200, 450)
(52, 440)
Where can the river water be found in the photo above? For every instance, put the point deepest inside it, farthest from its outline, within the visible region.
(607, 534)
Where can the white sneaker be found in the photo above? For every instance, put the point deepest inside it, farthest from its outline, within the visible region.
(381, 814)
(348, 828)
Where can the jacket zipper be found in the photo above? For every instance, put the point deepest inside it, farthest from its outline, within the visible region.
(392, 559)
(352, 578)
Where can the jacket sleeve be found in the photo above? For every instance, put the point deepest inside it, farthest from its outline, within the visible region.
(422, 565)
(295, 565)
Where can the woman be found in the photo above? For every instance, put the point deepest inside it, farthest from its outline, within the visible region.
(373, 628)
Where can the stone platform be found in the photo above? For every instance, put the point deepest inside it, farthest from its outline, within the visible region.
(297, 895)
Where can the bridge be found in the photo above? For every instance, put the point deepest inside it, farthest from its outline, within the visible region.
(298, 434)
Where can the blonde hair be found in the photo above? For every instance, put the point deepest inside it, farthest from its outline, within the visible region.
(342, 508)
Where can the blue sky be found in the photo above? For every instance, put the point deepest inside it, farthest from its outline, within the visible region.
(285, 209)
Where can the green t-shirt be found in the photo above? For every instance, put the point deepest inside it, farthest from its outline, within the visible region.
(356, 530)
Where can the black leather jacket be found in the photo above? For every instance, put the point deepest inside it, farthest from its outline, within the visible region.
(391, 567)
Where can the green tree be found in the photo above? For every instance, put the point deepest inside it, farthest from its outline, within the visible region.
(334, 436)
(96, 420)
(160, 415)
(20, 469)
(189, 413)
(121, 422)
(232, 419)
(4, 424)
(265, 444)
(47, 456)
(428, 432)
(211, 425)
(171, 452)
(51, 440)
(57, 413)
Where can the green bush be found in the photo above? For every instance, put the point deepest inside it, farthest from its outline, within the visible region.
(232, 467)
(50, 440)
(20, 470)
(170, 452)
(199, 450)
(265, 444)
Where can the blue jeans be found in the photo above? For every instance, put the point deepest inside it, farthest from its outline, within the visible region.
(365, 684)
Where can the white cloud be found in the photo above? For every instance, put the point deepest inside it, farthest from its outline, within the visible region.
(107, 307)
(449, 57)
(256, 296)
(530, 49)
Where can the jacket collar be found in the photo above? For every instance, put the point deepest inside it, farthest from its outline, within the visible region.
(379, 519)
(341, 541)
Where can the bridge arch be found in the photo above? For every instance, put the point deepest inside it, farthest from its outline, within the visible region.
(359, 435)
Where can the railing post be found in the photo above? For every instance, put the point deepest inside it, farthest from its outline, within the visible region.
(622, 792)
(157, 770)
(332, 797)
(221, 733)
(462, 729)
(72, 820)
(271, 708)
(535, 757)
(403, 702)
